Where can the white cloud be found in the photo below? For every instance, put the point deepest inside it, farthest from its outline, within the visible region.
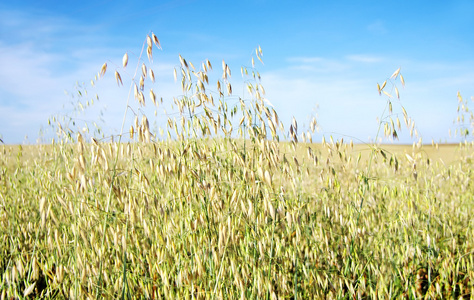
(39, 67)
(348, 100)
(377, 27)
(364, 58)
(316, 64)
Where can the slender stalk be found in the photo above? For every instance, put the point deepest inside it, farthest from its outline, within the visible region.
(114, 174)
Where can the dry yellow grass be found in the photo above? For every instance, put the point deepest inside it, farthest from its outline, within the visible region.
(220, 208)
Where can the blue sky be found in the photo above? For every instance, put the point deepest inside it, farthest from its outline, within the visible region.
(325, 54)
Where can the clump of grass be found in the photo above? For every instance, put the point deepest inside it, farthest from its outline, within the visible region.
(221, 208)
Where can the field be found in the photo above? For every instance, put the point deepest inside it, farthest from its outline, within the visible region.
(230, 206)
(198, 220)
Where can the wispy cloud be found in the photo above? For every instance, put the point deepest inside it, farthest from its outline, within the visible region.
(305, 60)
(36, 70)
(316, 64)
(377, 27)
(364, 58)
(348, 100)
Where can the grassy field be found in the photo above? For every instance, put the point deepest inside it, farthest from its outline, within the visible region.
(224, 209)
(205, 219)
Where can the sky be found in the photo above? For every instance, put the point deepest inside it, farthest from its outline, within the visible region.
(321, 59)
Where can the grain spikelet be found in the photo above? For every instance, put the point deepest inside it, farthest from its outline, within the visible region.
(149, 53)
(295, 125)
(148, 41)
(141, 98)
(395, 74)
(42, 211)
(135, 91)
(402, 80)
(183, 62)
(151, 74)
(153, 97)
(387, 94)
(396, 92)
(118, 78)
(404, 112)
(144, 70)
(268, 178)
(103, 70)
(156, 41)
(125, 60)
(142, 83)
(29, 290)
